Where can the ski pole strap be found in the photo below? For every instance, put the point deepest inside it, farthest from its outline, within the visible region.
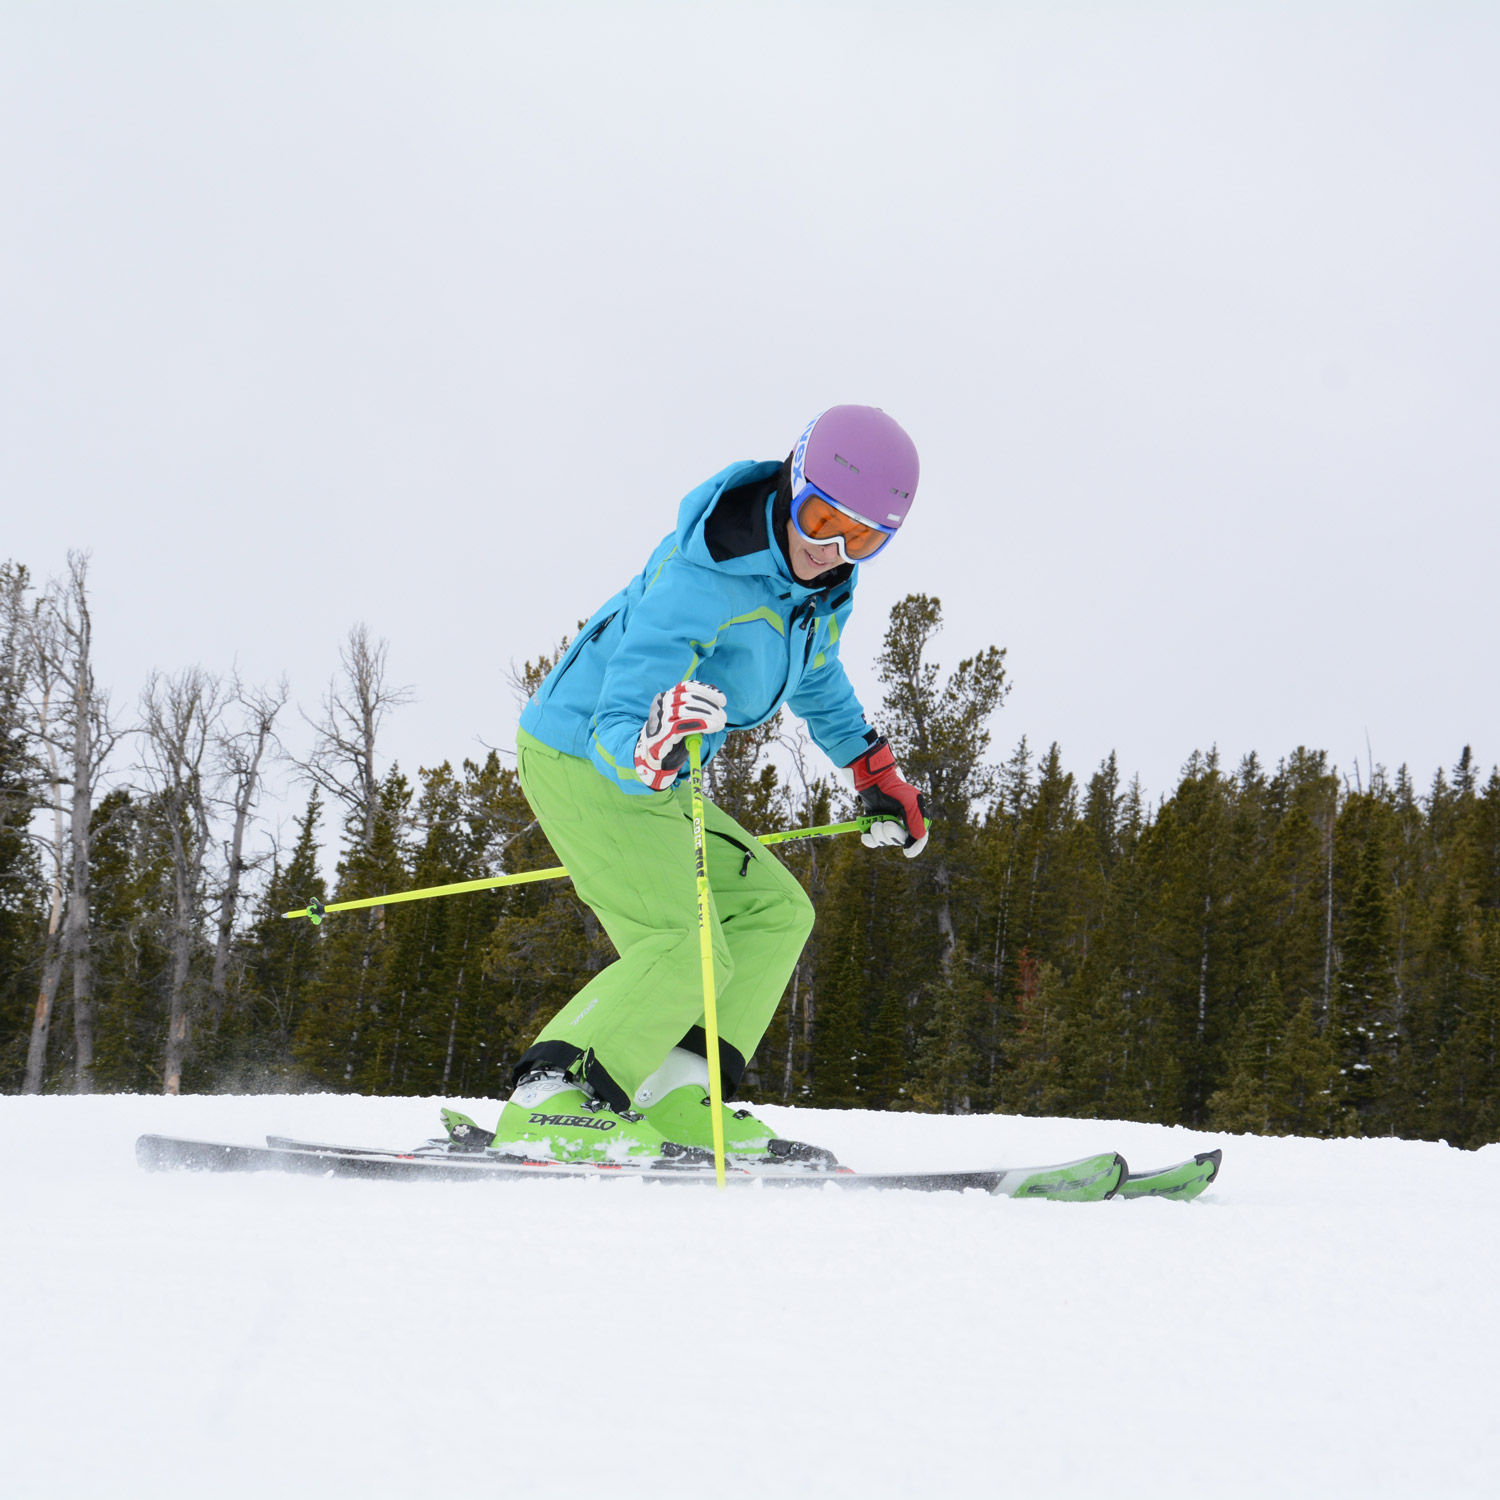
(315, 910)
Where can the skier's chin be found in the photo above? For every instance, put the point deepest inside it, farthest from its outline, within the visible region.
(811, 570)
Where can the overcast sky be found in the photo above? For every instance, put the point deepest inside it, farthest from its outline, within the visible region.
(428, 314)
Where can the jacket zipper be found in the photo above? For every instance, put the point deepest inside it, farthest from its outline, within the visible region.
(576, 649)
(730, 839)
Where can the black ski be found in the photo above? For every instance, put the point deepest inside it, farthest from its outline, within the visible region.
(1182, 1180)
(1090, 1179)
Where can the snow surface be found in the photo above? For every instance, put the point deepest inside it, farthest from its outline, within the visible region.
(1322, 1322)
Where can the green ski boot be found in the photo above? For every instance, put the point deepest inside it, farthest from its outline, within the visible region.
(552, 1118)
(675, 1100)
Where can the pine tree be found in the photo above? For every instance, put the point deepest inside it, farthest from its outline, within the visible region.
(1482, 1052)
(1302, 798)
(130, 879)
(939, 731)
(1360, 1023)
(1308, 1082)
(342, 1020)
(844, 976)
(1248, 1101)
(885, 1063)
(1189, 853)
(1047, 873)
(1122, 1054)
(1001, 855)
(253, 1046)
(1033, 1081)
(946, 1077)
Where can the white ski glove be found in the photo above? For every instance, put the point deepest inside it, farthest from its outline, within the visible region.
(661, 748)
(887, 794)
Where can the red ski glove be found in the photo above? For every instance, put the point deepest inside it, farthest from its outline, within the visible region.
(884, 791)
(661, 748)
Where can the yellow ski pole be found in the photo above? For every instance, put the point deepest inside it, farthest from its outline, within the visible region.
(706, 953)
(316, 910)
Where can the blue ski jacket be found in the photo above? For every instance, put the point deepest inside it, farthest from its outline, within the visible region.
(716, 601)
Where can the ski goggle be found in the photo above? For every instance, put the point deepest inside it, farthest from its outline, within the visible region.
(820, 519)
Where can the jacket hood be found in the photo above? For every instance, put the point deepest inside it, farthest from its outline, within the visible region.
(731, 523)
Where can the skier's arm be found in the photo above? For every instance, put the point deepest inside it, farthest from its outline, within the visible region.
(887, 794)
(826, 701)
(671, 629)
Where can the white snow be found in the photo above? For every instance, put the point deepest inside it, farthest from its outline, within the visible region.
(1323, 1322)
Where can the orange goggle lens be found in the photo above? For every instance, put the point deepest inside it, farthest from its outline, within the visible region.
(819, 520)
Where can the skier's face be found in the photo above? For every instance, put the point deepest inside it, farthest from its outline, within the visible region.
(809, 559)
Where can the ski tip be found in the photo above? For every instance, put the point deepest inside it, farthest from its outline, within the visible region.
(153, 1151)
(1216, 1156)
(1122, 1171)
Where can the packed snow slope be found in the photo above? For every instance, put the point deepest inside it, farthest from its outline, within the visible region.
(1322, 1322)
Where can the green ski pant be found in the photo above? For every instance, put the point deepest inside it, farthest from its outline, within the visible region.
(631, 859)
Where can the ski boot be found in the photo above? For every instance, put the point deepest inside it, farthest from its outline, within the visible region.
(675, 1100)
(552, 1117)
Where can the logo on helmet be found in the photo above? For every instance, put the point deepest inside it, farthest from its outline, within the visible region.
(799, 455)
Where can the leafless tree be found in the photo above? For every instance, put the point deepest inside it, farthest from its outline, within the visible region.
(240, 755)
(342, 761)
(794, 740)
(181, 719)
(25, 699)
(74, 728)
(43, 692)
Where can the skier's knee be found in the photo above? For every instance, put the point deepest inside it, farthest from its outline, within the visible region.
(800, 912)
(723, 965)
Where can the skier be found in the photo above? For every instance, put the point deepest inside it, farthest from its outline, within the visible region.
(738, 611)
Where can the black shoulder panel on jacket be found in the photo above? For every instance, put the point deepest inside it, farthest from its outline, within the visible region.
(736, 526)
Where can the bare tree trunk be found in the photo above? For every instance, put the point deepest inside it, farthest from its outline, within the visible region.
(1203, 970)
(1002, 920)
(182, 716)
(342, 762)
(1328, 929)
(791, 1035)
(25, 694)
(41, 1020)
(61, 637)
(52, 961)
(182, 958)
(79, 938)
(92, 741)
(240, 757)
(942, 880)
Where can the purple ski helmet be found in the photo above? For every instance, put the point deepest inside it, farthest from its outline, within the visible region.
(861, 458)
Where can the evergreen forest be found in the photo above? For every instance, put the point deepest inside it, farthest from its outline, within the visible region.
(1272, 947)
